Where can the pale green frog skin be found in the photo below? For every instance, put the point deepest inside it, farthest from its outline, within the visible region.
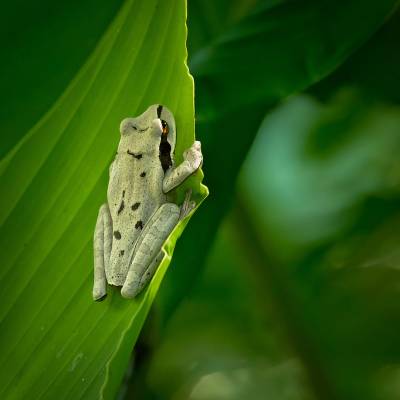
(137, 218)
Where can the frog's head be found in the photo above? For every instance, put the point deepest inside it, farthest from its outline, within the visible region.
(154, 128)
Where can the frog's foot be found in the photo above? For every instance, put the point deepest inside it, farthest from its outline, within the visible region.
(102, 250)
(193, 156)
(187, 205)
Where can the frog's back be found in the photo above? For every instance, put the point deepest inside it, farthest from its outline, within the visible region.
(134, 195)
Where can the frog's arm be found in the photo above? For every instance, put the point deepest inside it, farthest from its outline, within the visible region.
(175, 176)
(193, 158)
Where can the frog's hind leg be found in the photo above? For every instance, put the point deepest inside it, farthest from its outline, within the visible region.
(147, 254)
(102, 251)
(150, 271)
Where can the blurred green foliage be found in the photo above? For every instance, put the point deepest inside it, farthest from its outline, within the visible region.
(299, 296)
(286, 284)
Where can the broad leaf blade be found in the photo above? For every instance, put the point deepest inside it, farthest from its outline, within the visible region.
(44, 43)
(55, 340)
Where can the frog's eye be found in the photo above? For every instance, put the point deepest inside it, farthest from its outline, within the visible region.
(127, 126)
(165, 128)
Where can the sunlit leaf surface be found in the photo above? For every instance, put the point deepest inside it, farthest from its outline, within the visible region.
(45, 44)
(55, 341)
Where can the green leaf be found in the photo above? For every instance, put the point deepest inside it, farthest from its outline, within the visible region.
(374, 68)
(55, 341)
(283, 46)
(46, 43)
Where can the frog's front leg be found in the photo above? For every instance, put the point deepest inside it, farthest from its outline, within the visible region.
(147, 254)
(102, 251)
(193, 158)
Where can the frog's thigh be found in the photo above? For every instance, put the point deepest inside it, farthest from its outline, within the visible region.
(148, 248)
(102, 251)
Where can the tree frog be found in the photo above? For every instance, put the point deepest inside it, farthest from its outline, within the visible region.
(137, 217)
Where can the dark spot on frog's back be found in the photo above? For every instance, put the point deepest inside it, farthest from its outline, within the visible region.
(121, 207)
(139, 225)
(137, 156)
(135, 206)
(159, 110)
(117, 235)
(143, 174)
(122, 252)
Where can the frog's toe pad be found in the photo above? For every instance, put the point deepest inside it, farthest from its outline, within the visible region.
(130, 293)
(99, 295)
